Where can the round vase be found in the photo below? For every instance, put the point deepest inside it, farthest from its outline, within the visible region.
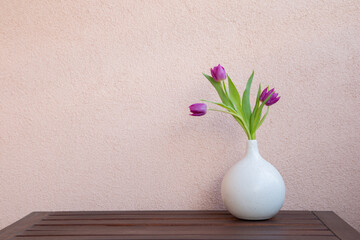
(253, 189)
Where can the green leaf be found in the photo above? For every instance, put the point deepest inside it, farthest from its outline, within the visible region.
(251, 124)
(234, 95)
(257, 98)
(262, 120)
(217, 86)
(252, 118)
(258, 112)
(246, 108)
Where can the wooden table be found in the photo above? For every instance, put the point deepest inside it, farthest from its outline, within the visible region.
(292, 225)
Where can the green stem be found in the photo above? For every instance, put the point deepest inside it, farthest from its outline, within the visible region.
(216, 110)
(238, 119)
(224, 88)
(253, 136)
(244, 127)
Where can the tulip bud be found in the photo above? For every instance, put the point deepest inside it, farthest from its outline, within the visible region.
(218, 73)
(198, 109)
(265, 94)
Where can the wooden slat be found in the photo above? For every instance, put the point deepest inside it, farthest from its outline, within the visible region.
(179, 237)
(174, 237)
(145, 212)
(167, 212)
(153, 230)
(176, 222)
(246, 227)
(338, 226)
(176, 215)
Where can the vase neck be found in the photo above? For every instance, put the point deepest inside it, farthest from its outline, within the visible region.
(252, 149)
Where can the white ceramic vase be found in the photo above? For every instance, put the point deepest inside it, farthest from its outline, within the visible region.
(253, 189)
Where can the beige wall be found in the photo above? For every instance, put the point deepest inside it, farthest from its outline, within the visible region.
(94, 97)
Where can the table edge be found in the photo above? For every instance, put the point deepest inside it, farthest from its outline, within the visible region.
(332, 221)
(13, 229)
(337, 225)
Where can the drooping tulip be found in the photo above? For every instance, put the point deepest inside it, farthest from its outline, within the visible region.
(198, 109)
(218, 73)
(273, 99)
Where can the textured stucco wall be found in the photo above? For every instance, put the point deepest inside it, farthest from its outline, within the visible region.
(94, 96)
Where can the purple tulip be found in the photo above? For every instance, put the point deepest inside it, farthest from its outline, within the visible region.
(198, 109)
(218, 73)
(265, 94)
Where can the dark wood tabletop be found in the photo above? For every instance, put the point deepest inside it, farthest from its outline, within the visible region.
(106, 225)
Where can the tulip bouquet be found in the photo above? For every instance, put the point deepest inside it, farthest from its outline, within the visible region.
(249, 120)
